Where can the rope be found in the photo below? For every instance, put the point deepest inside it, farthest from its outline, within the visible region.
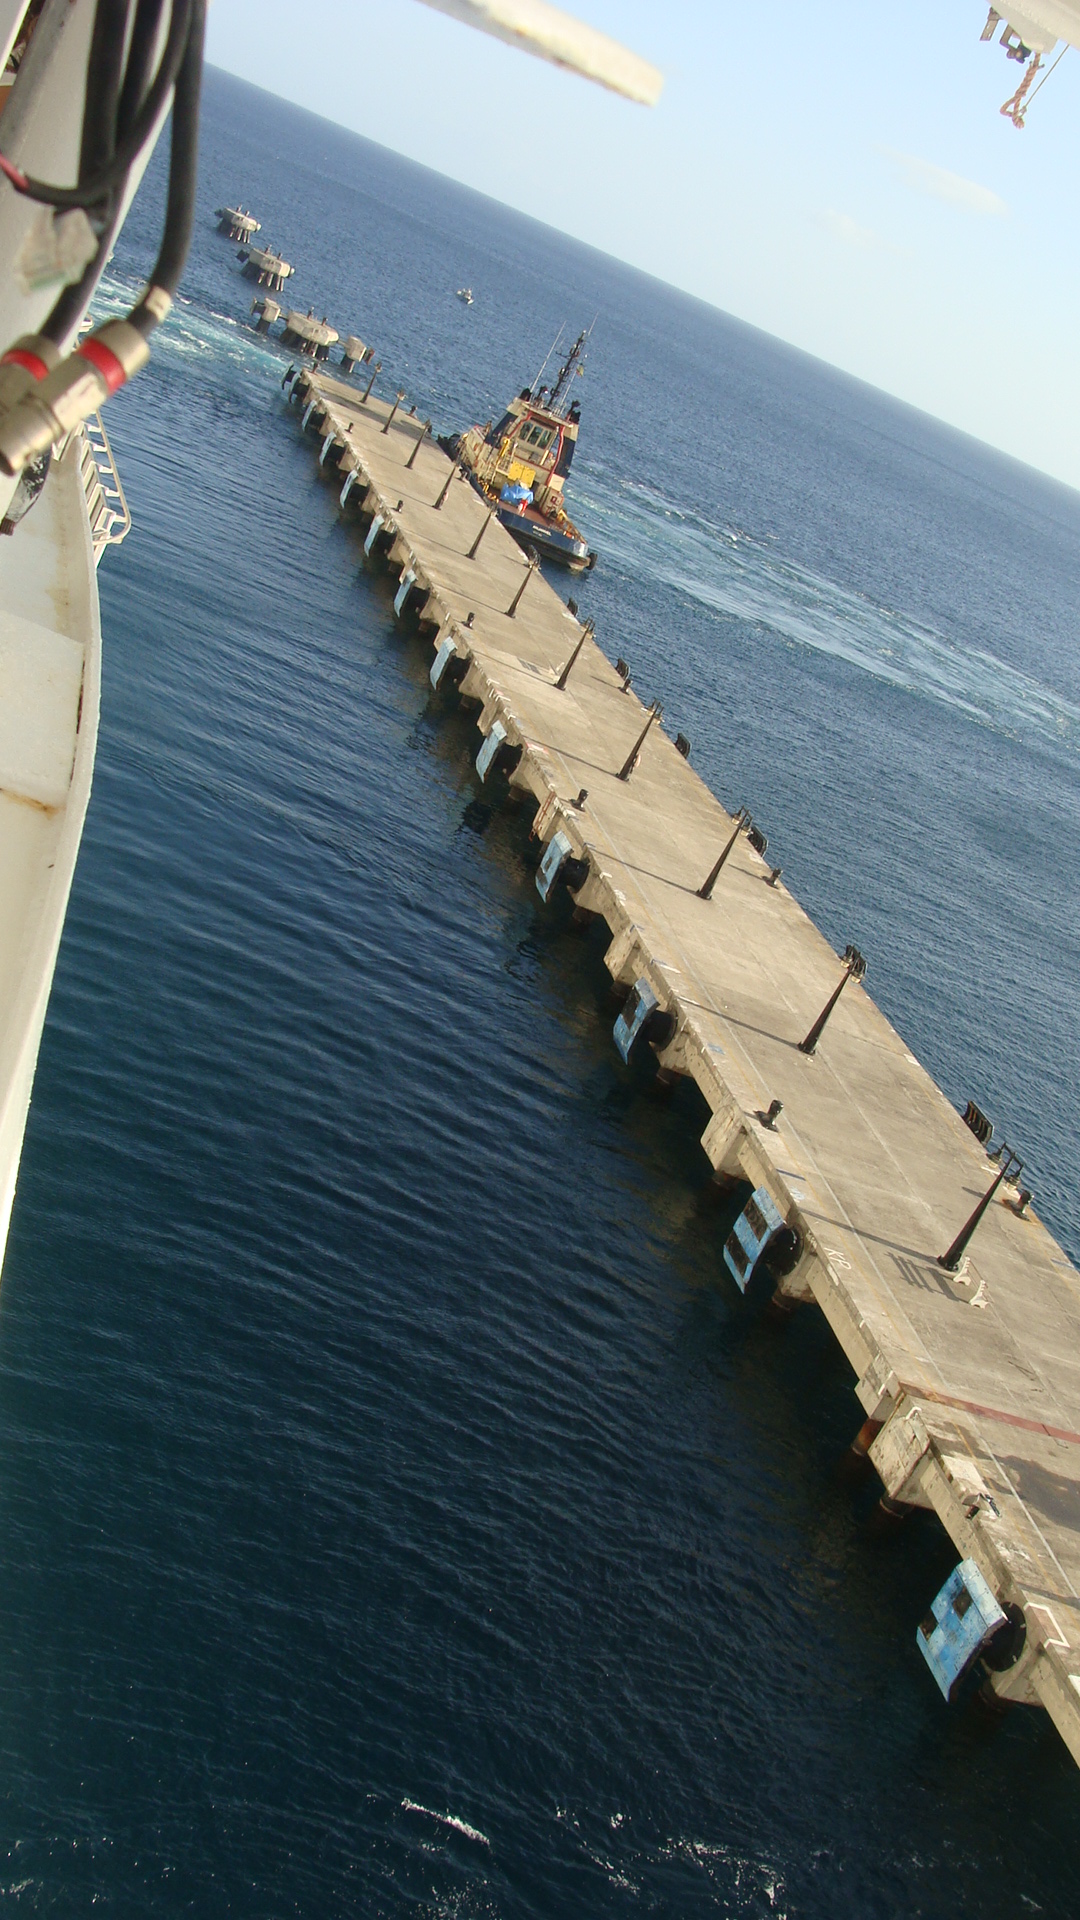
(1049, 71)
(1015, 109)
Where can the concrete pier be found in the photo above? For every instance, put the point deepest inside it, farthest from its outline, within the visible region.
(353, 351)
(308, 335)
(237, 224)
(265, 266)
(266, 311)
(969, 1379)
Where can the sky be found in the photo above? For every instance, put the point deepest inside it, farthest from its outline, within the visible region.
(838, 174)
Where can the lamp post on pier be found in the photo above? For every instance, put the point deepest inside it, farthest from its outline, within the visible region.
(1011, 1165)
(533, 563)
(564, 676)
(742, 819)
(475, 548)
(420, 438)
(390, 416)
(854, 969)
(441, 501)
(631, 760)
(366, 395)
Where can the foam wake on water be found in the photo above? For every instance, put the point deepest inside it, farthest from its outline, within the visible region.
(733, 572)
(447, 1820)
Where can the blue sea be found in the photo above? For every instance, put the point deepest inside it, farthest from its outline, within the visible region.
(401, 1515)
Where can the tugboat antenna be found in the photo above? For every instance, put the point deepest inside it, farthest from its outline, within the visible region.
(565, 371)
(547, 357)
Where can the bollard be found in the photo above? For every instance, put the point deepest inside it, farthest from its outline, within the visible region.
(364, 397)
(533, 563)
(388, 422)
(631, 760)
(419, 443)
(475, 548)
(855, 969)
(564, 676)
(706, 887)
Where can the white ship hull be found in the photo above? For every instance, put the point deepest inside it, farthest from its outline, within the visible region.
(50, 679)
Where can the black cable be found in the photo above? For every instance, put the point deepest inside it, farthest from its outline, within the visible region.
(144, 36)
(183, 173)
(73, 301)
(113, 173)
(104, 79)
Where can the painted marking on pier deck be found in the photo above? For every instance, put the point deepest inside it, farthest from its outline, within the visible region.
(974, 1377)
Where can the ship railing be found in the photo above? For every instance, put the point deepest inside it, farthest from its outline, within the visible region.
(106, 502)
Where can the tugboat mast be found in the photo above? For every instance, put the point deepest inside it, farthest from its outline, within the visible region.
(574, 359)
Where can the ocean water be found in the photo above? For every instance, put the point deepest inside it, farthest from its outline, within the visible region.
(400, 1514)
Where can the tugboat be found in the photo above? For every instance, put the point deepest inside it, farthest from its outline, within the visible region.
(520, 465)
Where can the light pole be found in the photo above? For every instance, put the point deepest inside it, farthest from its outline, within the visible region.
(1011, 1165)
(533, 563)
(389, 418)
(631, 760)
(421, 437)
(742, 819)
(854, 969)
(564, 676)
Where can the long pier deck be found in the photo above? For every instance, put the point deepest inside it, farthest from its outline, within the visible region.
(970, 1381)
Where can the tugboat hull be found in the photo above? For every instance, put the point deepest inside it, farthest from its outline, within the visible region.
(550, 542)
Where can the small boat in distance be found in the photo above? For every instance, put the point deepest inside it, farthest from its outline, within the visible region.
(464, 294)
(519, 466)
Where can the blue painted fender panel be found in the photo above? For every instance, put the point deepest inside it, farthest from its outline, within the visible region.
(749, 1237)
(641, 1003)
(962, 1621)
(489, 749)
(558, 849)
(446, 652)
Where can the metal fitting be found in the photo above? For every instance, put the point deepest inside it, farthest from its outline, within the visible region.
(28, 360)
(71, 392)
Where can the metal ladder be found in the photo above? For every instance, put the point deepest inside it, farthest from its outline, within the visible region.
(106, 504)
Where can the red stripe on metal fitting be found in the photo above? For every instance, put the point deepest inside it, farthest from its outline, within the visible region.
(105, 361)
(22, 357)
